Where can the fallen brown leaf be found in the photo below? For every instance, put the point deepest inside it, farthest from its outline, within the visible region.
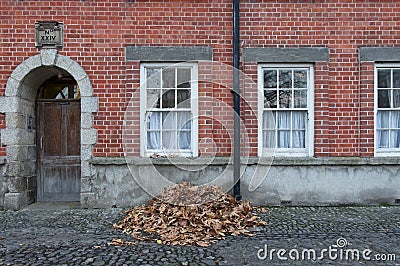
(185, 214)
(120, 242)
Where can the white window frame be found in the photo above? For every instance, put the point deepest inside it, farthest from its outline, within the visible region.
(308, 151)
(382, 152)
(144, 152)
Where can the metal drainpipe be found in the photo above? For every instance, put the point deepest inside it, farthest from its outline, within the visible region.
(236, 100)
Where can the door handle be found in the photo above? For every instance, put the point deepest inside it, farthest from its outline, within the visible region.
(41, 142)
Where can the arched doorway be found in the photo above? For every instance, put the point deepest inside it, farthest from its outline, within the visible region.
(25, 90)
(58, 113)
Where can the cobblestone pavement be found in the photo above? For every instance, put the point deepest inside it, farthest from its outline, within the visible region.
(81, 237)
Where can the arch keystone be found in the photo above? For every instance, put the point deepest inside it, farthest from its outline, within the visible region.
(48, 56)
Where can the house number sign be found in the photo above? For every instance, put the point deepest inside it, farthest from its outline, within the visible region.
(49, 33)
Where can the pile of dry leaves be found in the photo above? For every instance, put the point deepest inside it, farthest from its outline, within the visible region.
(189, 215)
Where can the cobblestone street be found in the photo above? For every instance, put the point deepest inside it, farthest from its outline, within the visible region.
(74, 236)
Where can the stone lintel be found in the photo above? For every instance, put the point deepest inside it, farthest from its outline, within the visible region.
(168, 53)
(286, 55)
(380, 54)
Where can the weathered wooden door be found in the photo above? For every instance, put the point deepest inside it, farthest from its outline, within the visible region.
(59, 150)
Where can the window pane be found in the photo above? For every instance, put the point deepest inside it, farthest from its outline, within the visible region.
(396, 98)
(384, 98)
(169, 140)
(168, 120)
(283, 120)
(269, 139)
(383, 138)
(168, 99)
(396, 78)
(184, 140)
(384, 80)
(77, 92)
(153, 140)
(67, 92)
(298, 138)
(153, 99)
(285, 98)
(300, 99)
(299, 120)
(394, 119)
(270, 79)
(270, 99)
(62, 94)
(285, 79)
(283, 124)
(153, 120)
(269, 120)
(153, 77)
(283, 138)
(168, 77)
(382, 120)
(184, 120)
(183, 98)
(183, 78)
(394, 138)
(300, 79)
(153, 136)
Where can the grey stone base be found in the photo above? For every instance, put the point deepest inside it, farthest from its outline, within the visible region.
(296, 182)
(325, 185)
(113, 185)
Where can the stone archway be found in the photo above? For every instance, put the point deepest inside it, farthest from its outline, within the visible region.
(18, 105)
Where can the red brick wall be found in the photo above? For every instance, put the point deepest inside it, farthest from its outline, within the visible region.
(96, 33)
(343, 27)
(366, 108)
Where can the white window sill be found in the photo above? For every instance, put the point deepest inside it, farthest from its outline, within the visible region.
(387, 153)
(175, 154)
(286, 153)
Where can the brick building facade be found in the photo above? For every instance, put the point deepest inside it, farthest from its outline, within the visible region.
(324, 72)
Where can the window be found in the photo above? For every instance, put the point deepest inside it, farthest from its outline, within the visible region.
(61, 89)
(387, 109)
(286, 109)
(169, 109)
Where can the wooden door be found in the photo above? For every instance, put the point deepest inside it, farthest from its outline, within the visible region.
(58, 141)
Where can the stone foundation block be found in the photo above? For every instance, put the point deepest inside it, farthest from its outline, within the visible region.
(88, 200)
(15, 201)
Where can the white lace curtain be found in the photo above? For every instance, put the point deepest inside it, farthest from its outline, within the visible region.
(388, 129)
(288, 127)
(169, 130)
